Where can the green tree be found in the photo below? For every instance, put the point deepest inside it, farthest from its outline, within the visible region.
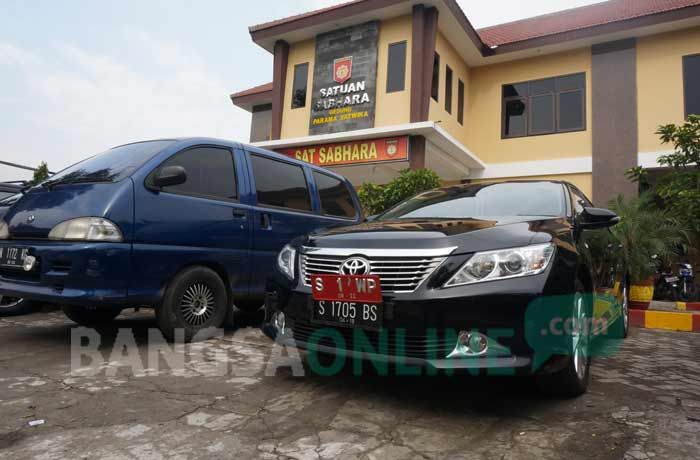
(41, 173)
(680, 188)
(378, 198)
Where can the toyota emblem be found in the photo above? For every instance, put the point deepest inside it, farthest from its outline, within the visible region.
(31, 218)
(355, 266)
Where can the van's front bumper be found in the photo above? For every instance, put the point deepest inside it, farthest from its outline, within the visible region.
(79, 273)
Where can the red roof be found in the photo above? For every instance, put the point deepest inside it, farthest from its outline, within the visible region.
(578, 18)
(255, 90)
(277, 22)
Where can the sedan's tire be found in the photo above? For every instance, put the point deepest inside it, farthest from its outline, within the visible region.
(572, 380)
(626, 309)
(11, 306)
(90, 316)
(195, 300)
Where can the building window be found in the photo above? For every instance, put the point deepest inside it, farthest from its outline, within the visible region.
(448, 89)
(396, 68)
(546, 106)
(301, 73)
(691, 84)
(460, 102)
(435, 88)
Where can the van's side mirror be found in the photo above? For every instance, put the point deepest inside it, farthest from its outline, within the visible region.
(168, 176)
(592, 218)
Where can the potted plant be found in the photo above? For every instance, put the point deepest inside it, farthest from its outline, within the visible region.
(645, 234)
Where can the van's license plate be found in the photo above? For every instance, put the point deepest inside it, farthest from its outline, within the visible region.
(347, 300)
(11, 257)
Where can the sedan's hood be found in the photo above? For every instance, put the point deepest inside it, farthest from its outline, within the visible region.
(467, 235)
(40, 209)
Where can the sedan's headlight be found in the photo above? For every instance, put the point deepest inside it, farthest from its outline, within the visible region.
(4, 230)
(503, 264)
(285, 261)
(86, 229)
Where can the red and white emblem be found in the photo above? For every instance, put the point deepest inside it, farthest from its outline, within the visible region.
(342, 69)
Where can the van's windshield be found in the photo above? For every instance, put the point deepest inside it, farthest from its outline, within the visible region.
(110, 166)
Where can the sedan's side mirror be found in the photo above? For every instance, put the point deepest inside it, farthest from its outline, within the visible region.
(169, 176)
(592, 218)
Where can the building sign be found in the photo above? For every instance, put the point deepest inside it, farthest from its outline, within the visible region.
(345, 79)
(351, 153)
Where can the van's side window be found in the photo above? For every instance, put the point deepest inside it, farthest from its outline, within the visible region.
(335, 196)
(280, 184)
(210, 173)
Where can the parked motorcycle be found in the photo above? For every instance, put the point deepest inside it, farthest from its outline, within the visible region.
(686, 290)
(666, 281)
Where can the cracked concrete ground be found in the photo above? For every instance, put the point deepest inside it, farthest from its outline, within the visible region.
(643, 403)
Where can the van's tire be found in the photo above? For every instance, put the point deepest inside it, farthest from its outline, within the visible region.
(12, 306)
(196, 299)
(572, 380)
(90, 316)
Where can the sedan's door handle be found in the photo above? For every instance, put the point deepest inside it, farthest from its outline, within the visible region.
(239, 214)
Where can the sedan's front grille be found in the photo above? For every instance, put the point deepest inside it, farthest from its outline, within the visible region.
(402, 273)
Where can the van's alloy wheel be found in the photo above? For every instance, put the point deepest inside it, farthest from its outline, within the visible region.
(195, 300)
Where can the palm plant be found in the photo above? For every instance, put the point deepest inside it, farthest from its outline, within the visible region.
(645, 231)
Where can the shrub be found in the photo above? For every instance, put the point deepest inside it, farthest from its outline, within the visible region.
(378, 198)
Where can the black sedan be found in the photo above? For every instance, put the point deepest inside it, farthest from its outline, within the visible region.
(497, 278)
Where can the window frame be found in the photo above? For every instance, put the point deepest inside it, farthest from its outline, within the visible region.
(449, 81)
(685, 58)
(435, 79)
(320, 201)
(388, 66)
(556, 105)
(254, 186)
(149, 179)
(306, 85)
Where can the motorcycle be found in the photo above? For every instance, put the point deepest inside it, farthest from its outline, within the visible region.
(666, 282)
(686, 290)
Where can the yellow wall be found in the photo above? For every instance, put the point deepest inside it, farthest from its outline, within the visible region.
(583, 181)
(483, 118)
(393, 108)
(295, 122)
(460, 71)
(660, 82)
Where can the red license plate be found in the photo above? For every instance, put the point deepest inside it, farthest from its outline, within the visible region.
(351, 288)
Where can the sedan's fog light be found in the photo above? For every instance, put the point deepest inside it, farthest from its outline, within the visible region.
(470, 344)
(478, 343)
(279, 321)
(29, 263)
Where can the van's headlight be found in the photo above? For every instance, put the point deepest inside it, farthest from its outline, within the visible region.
(86, 229)
(4, 230)
(503, 264)
(285, 261)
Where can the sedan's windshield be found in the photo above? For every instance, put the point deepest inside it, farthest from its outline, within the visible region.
(110, 166)
(480, 201)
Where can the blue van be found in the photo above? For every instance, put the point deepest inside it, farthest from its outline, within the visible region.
(189, 226)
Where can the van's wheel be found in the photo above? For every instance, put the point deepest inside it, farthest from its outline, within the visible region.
(195, 300)
(573, 379)
(10, 306)
(90, 316)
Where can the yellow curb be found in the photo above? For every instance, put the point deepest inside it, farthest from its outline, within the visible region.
(681, 306)
(668, 320)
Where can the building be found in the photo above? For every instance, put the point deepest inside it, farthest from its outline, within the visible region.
(370, 87)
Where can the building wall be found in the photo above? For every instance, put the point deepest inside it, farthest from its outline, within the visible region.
(583, 181)
(483, 117)
(295, 122)
(393, 108)
(660, 82)
(460, 71)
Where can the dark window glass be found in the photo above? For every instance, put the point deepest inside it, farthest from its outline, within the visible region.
(112, 165)
(580, 201)
(435, 88)
(544, 106)
(335, 196)
(571, 110)
(691, 84)
(542, 114)
(396, 71)
(280, 184)
(210, 173)
(515, 118)
(301, 72)
(460, 102)
(448, 89)
(484, 201)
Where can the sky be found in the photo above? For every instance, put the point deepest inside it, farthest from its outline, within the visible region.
(78, 77)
